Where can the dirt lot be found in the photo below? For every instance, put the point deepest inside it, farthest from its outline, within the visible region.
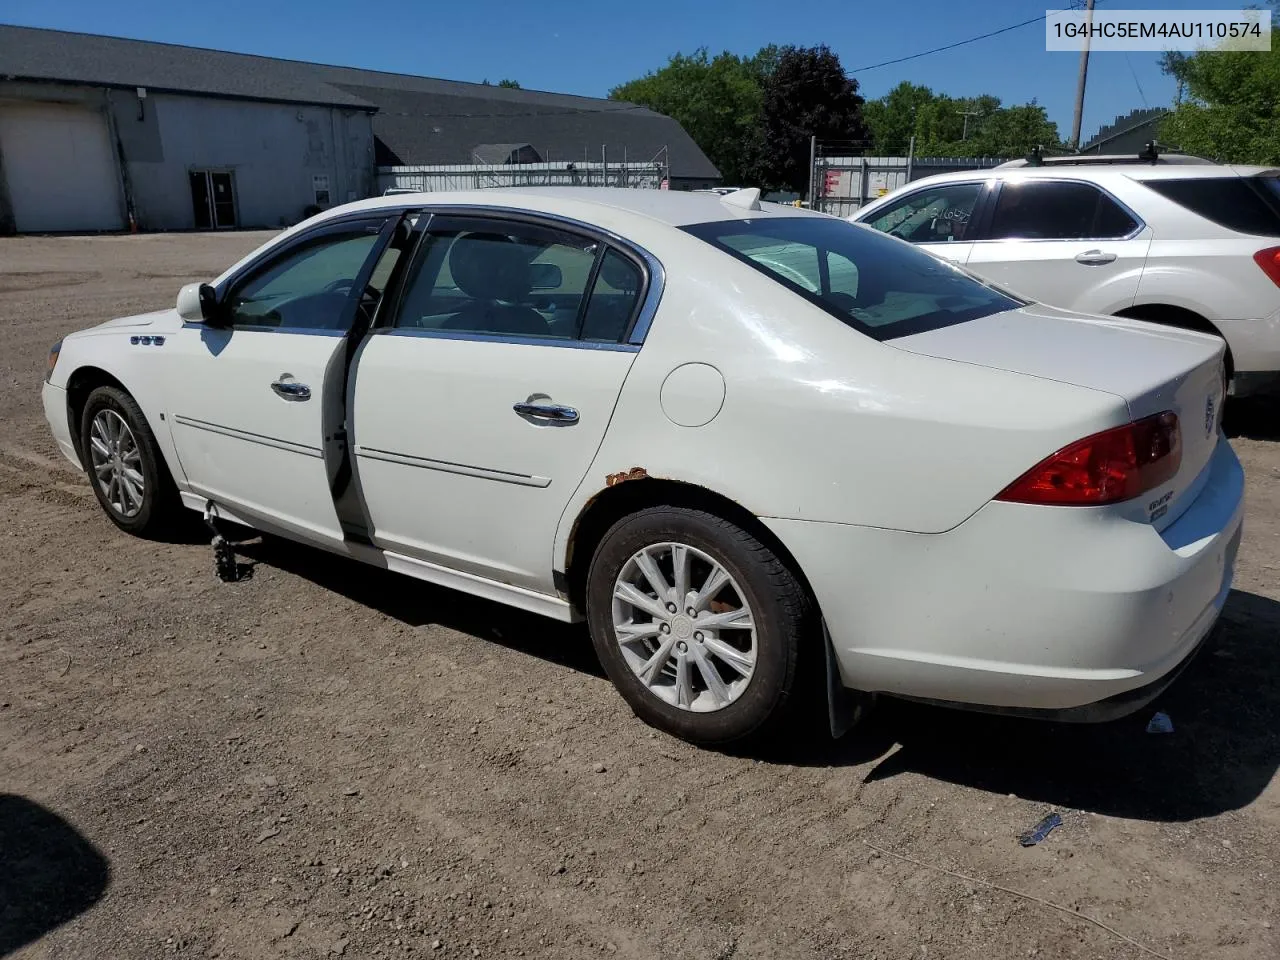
(329, 760)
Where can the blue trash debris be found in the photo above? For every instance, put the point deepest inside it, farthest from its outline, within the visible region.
(1160, 723)
(1042, 829)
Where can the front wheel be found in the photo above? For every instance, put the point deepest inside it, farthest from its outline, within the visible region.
(698, 624)
(124, 464)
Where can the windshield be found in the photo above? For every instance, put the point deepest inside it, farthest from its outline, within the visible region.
(879, 286)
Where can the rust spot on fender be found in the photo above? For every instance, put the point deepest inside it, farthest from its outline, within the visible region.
(635, 473)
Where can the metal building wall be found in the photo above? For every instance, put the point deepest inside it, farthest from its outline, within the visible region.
(273, 151)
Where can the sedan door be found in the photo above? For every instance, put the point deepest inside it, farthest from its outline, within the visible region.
(256, 405)
(936, 218)
(480, 405)
(1066, 243)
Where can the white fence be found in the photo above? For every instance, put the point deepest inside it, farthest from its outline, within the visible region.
(432, 179)
(843, 184)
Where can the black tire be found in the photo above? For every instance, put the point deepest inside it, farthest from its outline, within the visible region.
(157, 516)
(780, 607)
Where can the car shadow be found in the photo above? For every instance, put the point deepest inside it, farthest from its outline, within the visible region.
(49, 873)
(419, 604)
(1253, 418)
(1222, 753)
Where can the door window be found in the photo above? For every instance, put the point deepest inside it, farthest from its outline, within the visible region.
(517, 280)
(1057, 210)
(307, 288)
(937, 214)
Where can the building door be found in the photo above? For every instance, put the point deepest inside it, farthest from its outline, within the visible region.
(212, 199)
(59, 167)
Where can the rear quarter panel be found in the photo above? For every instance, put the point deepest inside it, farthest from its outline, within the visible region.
(819, 422)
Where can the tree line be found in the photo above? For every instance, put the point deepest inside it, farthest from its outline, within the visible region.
(753, 116)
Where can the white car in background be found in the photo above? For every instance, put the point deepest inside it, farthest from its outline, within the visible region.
(1181, 242)
(733, 438)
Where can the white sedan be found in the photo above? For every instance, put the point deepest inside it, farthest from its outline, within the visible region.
(734, 438)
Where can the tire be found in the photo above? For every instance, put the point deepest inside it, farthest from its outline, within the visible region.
(155, 512)
(742, 706)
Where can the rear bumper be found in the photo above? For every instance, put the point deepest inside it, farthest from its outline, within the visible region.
(1024, 608)
(54, 400)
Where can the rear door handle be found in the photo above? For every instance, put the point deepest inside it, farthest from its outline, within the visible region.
(290, 388)
(1094, 258)
(545, 410)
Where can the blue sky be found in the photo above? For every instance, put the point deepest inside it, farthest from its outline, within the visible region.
(588, 46)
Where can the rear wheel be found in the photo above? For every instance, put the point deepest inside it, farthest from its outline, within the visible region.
(697, 623)
(124, 464)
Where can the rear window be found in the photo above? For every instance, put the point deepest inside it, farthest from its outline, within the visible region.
(879, 286)
(1245, 204)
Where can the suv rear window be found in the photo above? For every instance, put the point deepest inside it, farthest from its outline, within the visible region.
(878, 285)
(1245, 204)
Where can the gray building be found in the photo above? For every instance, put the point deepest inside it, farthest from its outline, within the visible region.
(1128, 134)
(102, 133)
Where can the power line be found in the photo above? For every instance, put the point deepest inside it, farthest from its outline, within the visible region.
(958, 43)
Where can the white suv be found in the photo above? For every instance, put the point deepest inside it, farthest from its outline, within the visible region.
(1188, 244)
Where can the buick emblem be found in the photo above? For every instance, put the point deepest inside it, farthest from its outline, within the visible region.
(1208, 415)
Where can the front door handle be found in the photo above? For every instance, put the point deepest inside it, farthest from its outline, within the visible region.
(545, 410)
(290, 388)
(1094, 258)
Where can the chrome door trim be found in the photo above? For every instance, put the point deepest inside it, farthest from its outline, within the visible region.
(445, 466)
(235, 434)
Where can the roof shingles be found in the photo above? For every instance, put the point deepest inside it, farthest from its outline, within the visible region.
(418, 120)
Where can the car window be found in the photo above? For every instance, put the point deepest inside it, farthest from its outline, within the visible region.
(1057, 210)
(937, 214)
(499, 278)
(870, 282)
(307, 288)
(614, 299)
(1246, 204)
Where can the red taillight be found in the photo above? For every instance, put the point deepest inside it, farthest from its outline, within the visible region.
(1269, 261)
(1108, 467)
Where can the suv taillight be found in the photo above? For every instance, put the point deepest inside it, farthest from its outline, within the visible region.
(1108, 467)
(1269, 261)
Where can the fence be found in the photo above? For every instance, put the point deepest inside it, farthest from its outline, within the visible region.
(842, 184)
(431, 179)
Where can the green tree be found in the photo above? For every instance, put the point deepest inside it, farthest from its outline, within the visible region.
(716, 99)
(1228, 109)
(509, 84)
(955, 127)
(806, 94)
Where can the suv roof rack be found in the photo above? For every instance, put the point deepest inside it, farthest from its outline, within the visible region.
(1150, 154)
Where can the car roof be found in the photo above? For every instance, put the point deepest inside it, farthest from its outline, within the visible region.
(673, 207)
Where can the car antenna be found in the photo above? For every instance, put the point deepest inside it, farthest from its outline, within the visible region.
(1151, 152)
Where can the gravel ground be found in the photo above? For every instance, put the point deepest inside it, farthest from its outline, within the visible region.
(330, 760)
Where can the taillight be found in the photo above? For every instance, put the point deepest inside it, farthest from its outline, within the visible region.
(1117, 464)
(1269, 261)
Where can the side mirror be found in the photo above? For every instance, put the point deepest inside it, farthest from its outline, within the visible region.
(198, 303)
(545, 276)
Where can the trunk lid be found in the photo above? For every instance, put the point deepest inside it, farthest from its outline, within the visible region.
(1152, 368)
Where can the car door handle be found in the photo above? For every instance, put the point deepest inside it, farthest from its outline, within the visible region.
(290, 388)
(556, 412)
(1094, 258)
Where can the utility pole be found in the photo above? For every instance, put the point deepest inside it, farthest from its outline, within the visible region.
(967, 114)
(1084, 73)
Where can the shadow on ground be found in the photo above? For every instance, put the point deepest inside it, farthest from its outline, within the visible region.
(49, 873)
(418, 604)
(1225, 708)
(1254, 418)
(1223, 751)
